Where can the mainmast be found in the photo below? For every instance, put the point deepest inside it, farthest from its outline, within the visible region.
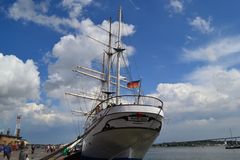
(119, 51)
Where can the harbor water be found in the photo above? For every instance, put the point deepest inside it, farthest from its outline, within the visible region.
(192, 153)
(167, 153)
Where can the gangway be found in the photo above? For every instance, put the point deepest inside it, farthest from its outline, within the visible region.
(62, 151)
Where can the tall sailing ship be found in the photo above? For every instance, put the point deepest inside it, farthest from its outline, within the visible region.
(119, 126)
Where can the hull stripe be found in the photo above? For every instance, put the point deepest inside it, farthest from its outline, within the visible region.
(157, 130)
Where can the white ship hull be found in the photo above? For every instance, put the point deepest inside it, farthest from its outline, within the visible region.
(125, 132)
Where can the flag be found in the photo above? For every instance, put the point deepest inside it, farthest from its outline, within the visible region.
(133, 84)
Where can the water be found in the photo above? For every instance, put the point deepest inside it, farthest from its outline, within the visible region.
(192, 153)
(171, 153)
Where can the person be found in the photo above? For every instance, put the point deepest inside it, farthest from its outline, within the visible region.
(22, 154)
(48, 148)
(27, 157)
(1, 147)
(7, 151)
(33, 148)
(4, 152)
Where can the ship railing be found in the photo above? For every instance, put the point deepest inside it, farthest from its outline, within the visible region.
(139, 100)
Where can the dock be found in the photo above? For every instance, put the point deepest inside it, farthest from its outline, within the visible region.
(38, 154)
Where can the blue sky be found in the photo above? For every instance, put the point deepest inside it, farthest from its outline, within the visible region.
(186, 52)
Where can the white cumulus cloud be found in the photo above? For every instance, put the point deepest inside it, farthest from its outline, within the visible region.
(19, 83)
(204, 26)
(208, 97)
(175, 6)
(29, 10)
(216, 50)
(36, 114)
(75, 6)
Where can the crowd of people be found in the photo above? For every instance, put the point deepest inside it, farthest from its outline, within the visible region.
(24, 151)
(7, 149)
(50, 148)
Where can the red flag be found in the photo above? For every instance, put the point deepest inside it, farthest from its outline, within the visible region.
(133, 84)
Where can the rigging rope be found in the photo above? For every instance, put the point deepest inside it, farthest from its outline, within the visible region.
(66, 100)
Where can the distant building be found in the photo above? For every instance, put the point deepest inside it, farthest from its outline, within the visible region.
(14, 140)
(6, 139)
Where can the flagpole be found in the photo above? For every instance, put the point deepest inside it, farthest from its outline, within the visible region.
(139, 90)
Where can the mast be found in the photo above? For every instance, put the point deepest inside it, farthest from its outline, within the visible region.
(109, 58)
(119, 52)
